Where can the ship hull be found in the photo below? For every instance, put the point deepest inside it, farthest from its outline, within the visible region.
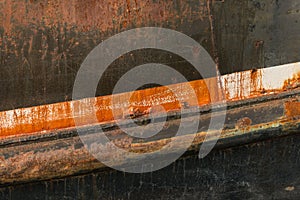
(43, 43)
(256, 47)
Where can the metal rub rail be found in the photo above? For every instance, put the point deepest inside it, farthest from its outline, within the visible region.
(41, 143)
(237, 86)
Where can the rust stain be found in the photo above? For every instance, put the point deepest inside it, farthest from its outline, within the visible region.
(259, 44)
(47, 160)
(256, 84)
(292, 109)
(60, 115)
(155, 100)
(7, 12)
(292, 82)
(243, 123)
(92, 14)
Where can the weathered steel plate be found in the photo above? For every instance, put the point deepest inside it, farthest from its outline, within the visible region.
(43, 43)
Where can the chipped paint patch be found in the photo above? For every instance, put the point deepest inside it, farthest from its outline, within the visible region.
(289, 188)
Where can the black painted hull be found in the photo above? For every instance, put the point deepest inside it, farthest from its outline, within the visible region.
(40, 57)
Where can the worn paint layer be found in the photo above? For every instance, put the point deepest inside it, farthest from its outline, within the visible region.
(43, 43)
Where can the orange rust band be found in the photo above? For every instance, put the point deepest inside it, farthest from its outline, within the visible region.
(61, 115)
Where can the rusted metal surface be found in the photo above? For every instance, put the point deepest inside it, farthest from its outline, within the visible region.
(293, 82)
(43, 43)
(261, 170)
(89, 15)
(237, 86)
(292, 109)
(30, 158)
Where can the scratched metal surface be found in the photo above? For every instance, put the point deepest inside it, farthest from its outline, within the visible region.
(43, 43)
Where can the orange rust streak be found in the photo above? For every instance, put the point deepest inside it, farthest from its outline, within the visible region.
(60, 115)
(292, 82)
(92, 14)
(99, 109)
(292, 109)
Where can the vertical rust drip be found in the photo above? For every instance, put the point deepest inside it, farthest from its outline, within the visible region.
(256, 81)
(214, 49)
(128, 11)
(211, 21)
(7, 15)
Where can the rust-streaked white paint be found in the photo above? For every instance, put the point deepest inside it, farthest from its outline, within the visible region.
(237, 86)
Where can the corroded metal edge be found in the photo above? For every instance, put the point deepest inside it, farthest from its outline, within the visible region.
(235, 87)
(56, 158)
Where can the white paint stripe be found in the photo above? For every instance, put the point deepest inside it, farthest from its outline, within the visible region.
(272, 78)
(237, 85)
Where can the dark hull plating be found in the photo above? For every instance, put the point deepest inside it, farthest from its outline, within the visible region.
(43, 43)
